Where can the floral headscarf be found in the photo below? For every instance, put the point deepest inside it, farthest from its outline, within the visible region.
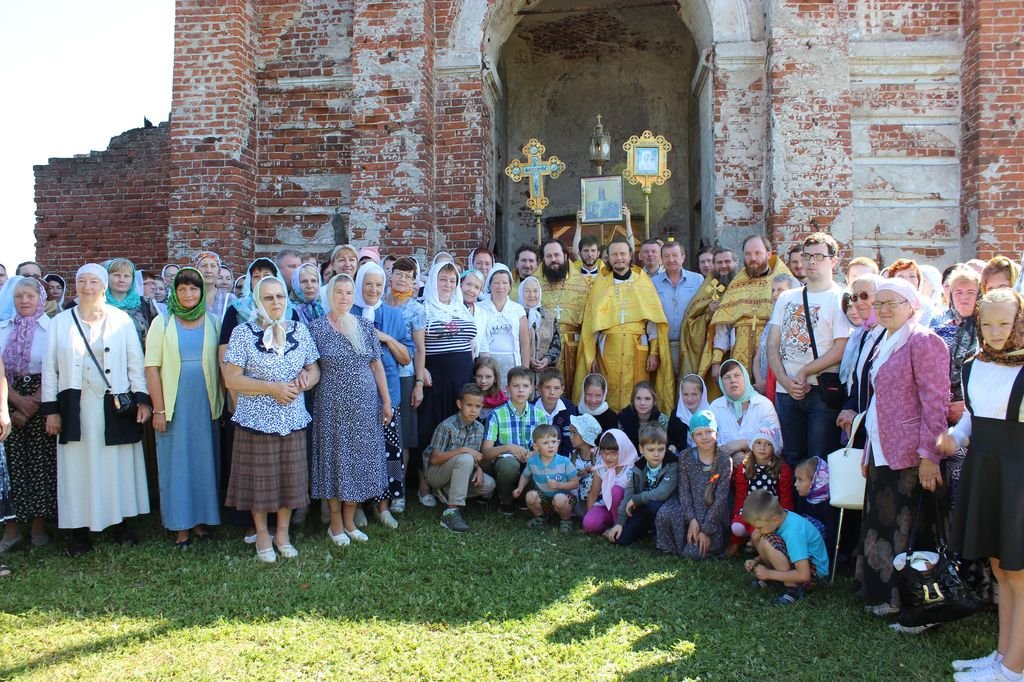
(17, 353)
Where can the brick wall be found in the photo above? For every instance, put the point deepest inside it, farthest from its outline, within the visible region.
(992, 208)
(105, 204)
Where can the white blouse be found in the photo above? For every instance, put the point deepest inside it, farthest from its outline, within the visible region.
(501, 329)
(760, 412)
(35, 365)
(989, 391)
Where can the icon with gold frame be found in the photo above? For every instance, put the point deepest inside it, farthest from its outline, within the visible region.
(647, 160)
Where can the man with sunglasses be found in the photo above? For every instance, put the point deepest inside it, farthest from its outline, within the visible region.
(808, 422)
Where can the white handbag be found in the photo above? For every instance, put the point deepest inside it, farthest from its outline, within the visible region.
(845, 480)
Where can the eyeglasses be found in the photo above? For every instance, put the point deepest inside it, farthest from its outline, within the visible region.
(886, 305)
(815, 257)
(862, 296)
(402, 274)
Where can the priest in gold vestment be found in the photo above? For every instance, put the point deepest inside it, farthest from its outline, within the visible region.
(625, 333)
(565, 295)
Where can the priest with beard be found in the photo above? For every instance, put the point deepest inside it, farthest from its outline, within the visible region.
(625, 333)
(744, 310)
(565, 295)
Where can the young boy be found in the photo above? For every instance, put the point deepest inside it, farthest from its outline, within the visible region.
(509, 430)
(554, 481)
(558, 409)
(652, 481)
(452, 461)
(790, 549)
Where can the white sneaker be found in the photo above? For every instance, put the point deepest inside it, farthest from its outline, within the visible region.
(341, 539)
(428, 500)
(357, 535)
(387, 520)
(398, 506)
(992, 673)
(972, 663)
(360, 518)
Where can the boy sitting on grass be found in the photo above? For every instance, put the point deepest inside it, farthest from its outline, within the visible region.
(652, 480)
(554, 481)
(452, 462)
(509, 428)
(790, 549)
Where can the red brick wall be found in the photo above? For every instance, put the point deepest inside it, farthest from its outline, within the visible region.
(105, 204)
(992, 165)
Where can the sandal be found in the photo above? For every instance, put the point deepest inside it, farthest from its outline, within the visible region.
(183, 544)
(287, 551)
(5, 570)
(267, 556)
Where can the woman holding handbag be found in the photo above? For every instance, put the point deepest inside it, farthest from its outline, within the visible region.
(95, 399)
(909, 379)
(989, 512)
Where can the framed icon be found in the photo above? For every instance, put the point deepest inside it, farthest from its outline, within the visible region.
(601, 199)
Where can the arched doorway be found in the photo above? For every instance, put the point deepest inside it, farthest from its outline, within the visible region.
(560, 67)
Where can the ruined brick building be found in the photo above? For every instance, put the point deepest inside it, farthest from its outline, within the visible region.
(896, 124)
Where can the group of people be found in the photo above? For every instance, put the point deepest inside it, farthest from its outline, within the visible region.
(706, 403)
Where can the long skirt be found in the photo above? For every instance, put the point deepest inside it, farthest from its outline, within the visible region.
(6, 507)
(448, 371)
(268, 471)
(890, 503)
(393, 450)
(32, 462)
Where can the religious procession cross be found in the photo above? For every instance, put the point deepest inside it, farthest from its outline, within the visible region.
(535, 168)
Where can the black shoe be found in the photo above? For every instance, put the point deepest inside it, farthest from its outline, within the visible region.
(125, 535)
(80, 544)
(453, 521)
(506, 509)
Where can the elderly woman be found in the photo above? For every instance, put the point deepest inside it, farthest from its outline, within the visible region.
(184, 384)
(863, 343)
(908, 270)
(397, 349)
(218, 300)
(471, 284)
(448, 341)
(545, 339)
(352, 409)
(31, 453)
(306, 293)
(506, 334)
(94, 360)
(988, 514)
(269, 362)
(909, 378)
(740, 411)
(124, 294)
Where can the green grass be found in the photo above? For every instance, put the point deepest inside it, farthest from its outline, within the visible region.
(500, 603)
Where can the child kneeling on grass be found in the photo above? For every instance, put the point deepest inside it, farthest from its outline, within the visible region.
(790, 549)
(651, 482)
(451, 464)
(554, 480)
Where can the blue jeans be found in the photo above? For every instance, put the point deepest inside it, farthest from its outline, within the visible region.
(641, 524)
(808, 426)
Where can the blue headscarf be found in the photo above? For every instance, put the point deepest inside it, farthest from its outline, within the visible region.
(703, 419)
(131, 300)
(308, 310)
(737, 405)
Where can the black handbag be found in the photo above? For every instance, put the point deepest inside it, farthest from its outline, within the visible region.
(930, 587)
(120, 410)
(833, 390)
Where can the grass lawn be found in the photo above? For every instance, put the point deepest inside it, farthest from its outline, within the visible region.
(499, 602)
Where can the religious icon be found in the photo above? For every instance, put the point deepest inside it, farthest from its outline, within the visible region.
(647, 161)
(647, 165)
(601, 199)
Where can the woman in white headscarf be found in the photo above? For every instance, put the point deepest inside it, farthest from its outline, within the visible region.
(448, 341)
(92, 350)
(268, 364)
(397, 349)
(352, 409)
(545, 339)
(506, 335)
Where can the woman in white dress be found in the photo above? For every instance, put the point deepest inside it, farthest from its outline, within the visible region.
(98, 485)
(506, 333)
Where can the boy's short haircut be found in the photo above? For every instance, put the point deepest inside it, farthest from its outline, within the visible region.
(517, 372)
(653, 433)
(810, 465)
(549, 374)
(761, 505)
(545, 431)
(470, 389)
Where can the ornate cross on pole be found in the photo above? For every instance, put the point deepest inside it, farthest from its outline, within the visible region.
(535, 168)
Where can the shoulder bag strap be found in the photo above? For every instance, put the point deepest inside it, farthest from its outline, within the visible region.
(88, 348)
(810, 327)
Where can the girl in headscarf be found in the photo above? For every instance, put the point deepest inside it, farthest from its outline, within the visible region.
(352, 409)
(593, 401)
(125, 293)
(448, 342)
(98, 485)
(695, 523)
(31, 453)
(269, 363)
(545, 339)
(397, 349)
(693, 397)
(611, 473)
(505, 336)
(306, 286)
(184, 382)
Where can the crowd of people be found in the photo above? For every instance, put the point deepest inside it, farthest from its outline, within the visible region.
(614, 392)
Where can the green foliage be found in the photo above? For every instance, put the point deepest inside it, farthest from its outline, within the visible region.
(497, 603)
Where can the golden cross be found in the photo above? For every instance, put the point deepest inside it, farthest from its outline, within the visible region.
(535, 168)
